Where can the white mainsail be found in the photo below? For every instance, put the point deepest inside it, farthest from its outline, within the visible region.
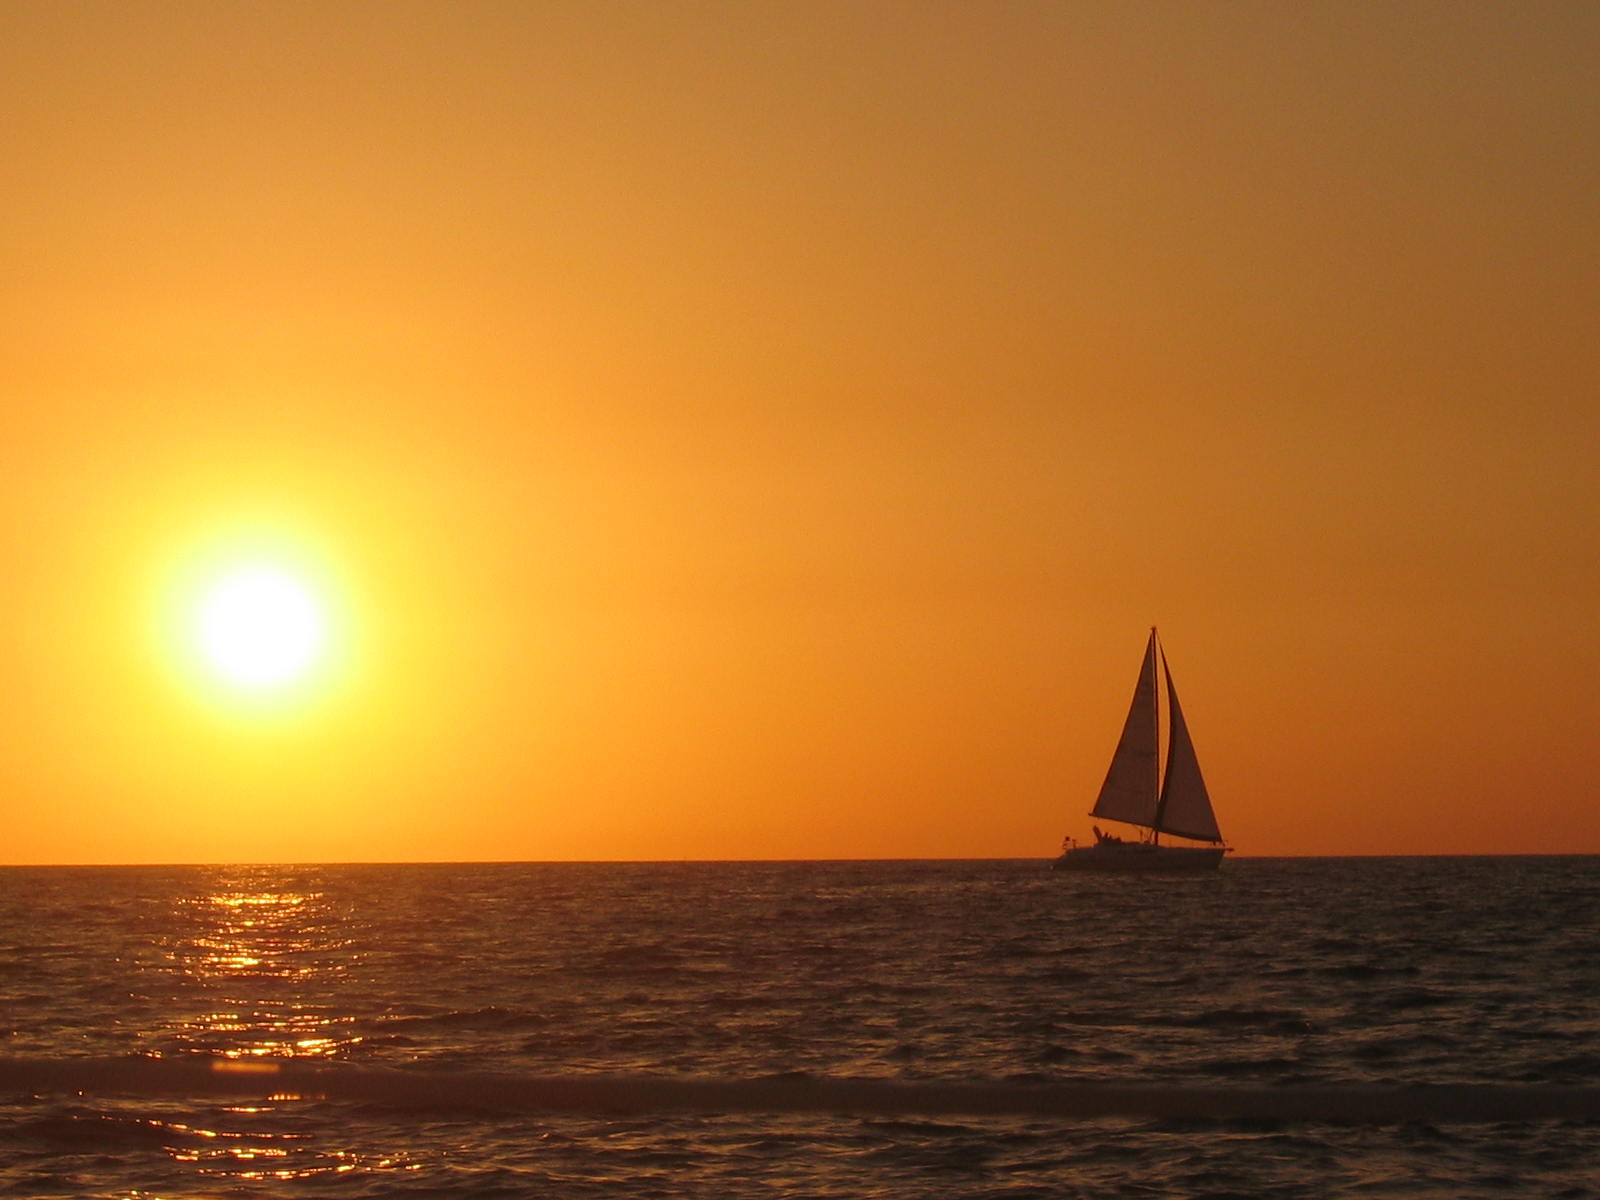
(1130, 791)
(1185, 806)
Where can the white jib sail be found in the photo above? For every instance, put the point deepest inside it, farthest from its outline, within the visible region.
(1129, 792)
(1185, 808)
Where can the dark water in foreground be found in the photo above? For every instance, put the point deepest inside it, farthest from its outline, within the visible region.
(1292, 978)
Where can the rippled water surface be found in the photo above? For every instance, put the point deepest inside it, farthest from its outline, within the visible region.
(1285, 974)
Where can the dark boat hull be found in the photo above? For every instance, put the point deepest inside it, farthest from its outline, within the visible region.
(1140, 858)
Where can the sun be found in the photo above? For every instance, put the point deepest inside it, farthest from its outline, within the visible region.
(260, 627)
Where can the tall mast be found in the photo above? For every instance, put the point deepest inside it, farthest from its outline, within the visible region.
(1155, 715)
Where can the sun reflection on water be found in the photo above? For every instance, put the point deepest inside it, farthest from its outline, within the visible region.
(265, 962)
(263, 1154)
(259, 961)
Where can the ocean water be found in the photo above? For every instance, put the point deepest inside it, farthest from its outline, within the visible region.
(1294, 1028)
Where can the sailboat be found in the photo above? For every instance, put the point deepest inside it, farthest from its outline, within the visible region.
(1137, 793)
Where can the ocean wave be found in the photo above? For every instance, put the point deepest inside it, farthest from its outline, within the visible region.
(468, 1091)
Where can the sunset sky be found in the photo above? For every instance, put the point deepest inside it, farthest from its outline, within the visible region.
(769, 430)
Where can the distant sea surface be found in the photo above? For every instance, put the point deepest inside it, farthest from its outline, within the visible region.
(1285, 978)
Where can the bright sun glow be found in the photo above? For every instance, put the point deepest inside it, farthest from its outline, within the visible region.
(260, 627)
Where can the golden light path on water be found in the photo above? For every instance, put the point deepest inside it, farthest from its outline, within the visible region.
(260, 957)
(259, 953)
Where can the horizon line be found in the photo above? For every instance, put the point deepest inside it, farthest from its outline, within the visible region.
(613, 862)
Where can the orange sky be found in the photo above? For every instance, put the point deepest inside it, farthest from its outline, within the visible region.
(768, 431)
